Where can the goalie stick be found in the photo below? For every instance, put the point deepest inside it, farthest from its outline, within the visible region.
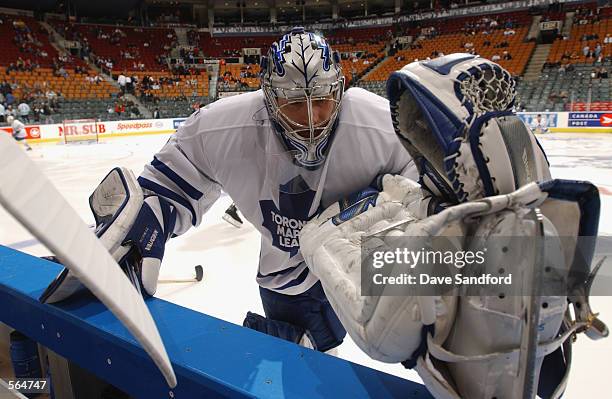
(529, 335)
(30, 197)
(199, 274)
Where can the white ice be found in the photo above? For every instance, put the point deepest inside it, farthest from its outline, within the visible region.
(229, 255)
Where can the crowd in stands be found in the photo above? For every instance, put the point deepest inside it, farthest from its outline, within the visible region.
(229, 82)
(599, 73)
(151, 88)
(154, 67)
(37, 103)
(486, 25)
(135, 48)
(586, 15)
(190, 55)
(122, 107)
(21, 66)
(26, 40)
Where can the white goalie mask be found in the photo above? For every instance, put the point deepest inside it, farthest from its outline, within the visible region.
(303, 86)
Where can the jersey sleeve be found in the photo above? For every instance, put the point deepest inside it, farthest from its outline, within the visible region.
(400, 162)
(181, 174)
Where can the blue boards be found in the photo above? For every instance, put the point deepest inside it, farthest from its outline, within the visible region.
(211, 357)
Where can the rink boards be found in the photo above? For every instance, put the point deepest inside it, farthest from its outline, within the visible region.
(211, 357)
(553, 122)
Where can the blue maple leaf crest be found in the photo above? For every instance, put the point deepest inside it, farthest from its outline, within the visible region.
(285, 222)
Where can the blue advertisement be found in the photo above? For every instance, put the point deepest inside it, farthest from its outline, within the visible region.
(539, 122)
(178, 122)
(589, 119)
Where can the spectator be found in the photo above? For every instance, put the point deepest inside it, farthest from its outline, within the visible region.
(597, 50)
(602, 73)
(506, 56)
(586, 50)
(24, 112)
(495, 57)
(134, 112)
(121, 79)
(156, 114)
(61, 72)
(129, 87)
(2, 113)
(119, 108)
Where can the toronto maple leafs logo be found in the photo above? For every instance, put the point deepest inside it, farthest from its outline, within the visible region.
(285, 221)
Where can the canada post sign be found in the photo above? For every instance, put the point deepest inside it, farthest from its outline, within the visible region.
(589, 119)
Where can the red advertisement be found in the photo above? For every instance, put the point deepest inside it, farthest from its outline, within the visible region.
(81, 129)
(32, 132)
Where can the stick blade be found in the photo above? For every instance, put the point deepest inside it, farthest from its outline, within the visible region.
(29, 196)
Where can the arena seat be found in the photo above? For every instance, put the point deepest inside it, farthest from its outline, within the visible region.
(453, 43)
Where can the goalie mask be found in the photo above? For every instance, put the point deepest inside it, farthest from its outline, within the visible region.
(454, 116)
(303, 86)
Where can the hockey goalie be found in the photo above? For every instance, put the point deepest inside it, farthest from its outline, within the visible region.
(483, 177)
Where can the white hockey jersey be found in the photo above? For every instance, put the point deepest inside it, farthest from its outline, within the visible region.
(230, 145)
(18, 129)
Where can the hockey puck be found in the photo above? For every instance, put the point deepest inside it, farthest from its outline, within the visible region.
(199, 272)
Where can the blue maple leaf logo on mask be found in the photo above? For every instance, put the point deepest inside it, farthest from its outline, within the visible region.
(286, 221)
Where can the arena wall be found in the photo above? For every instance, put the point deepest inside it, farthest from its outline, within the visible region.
(556, 122)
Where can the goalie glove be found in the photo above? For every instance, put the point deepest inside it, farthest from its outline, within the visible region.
(133, 229)
(331, 245)
(385, 189)
(389, 199)
(454, 116)
(142, 250)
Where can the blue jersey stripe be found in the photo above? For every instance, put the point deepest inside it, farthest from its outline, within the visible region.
(297, 281)
(178, 180)
(169, 194)
(278, 273)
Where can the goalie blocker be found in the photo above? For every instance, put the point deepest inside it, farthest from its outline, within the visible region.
(454, 116)
(133, 227)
